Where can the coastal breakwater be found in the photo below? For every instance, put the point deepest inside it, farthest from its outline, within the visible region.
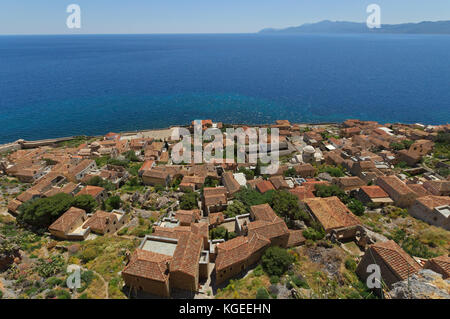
(22, 144)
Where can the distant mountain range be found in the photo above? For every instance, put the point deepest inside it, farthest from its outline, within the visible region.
(326, 26)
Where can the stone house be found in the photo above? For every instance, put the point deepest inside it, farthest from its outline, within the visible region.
(375, 195)
(395, 264)
(434, 210)
(334, 216)
(400, 193)
(68, 225)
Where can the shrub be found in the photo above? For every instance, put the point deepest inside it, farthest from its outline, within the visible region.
(88, 254)
(274, 279)
(42, 212)
(313, 234)
(62, 294)
(290, 172)
(86, 202)
(276, 261)
(50, 267)
(350, 264)
(235, 209)
(262, 293)
(218, 233)
(285, 205)
(356, 207)
(210, 182)
(249, 174)
(100, 182)
(189, 201)
(299, 281)
(54, 281)
(331, 190)
(114, 202)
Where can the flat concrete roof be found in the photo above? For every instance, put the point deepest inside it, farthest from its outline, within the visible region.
(159, 246)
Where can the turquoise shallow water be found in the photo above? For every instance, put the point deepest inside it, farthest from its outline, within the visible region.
(54, 86)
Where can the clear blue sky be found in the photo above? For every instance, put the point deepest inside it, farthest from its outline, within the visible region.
(202, 16)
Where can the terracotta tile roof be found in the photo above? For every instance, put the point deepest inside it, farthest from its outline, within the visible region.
(81, 166)
(187, 254)
(432, 201)
(148, 264)
(419, 190)
(374, 191)
(187, 216)
(69, 188)
(216, 218)
(311, 185)
(231, 252)
(196, 180)
(302, 192)
(400, 263)
(66, 220)
(14, 205)
(264, 212)
(278, 182)
(264, 186)
(174, 232)
(295, 238)
(438, 187)
(304, 168)
(256, 242)
(201, 229)
(267, 229)
(230, 183)
(94, 191)
(157, 172)
(443, 263)
(100, 220)
(331, 212)
(214, 196)
(395, 183)
(27, 195)
(148, 164)
(351, 181)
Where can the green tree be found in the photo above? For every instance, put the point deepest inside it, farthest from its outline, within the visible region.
(251, 197)
(218, 233)
(235, 209)
(210, 182)
(249, 174)
(356, 207)
(86, 202)
(285, 205)
(290, 172)
(114, 202)
(189, 201)
(42, 212)
(276, 261)
(331, 190)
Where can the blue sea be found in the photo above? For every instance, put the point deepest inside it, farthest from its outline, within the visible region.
(52, 86)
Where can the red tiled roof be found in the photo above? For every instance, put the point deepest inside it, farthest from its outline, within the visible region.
(302, 192)
(148, 264)
(331, 212)
(264, 186)
(94, 191)
(400, 263)
(66, 220)
(264, 212)
(374, 191)
(187, 254)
